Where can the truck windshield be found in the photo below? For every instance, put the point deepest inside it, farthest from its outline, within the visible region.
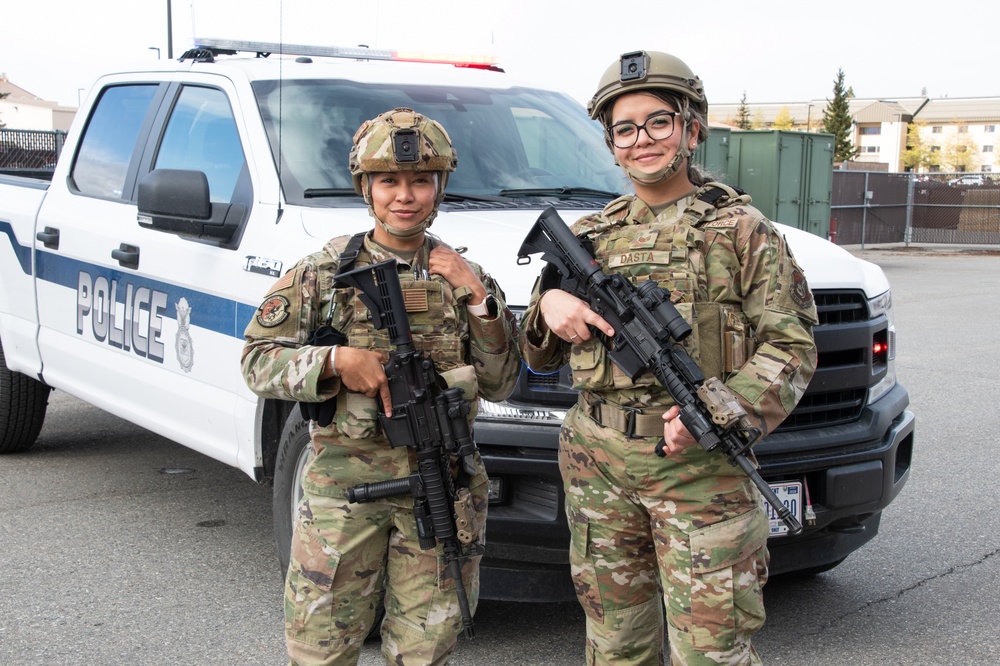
(512, 143)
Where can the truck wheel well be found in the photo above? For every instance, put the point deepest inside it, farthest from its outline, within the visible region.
(272, 423)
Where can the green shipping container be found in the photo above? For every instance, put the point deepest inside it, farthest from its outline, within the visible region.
(789, 175)
(714, 154)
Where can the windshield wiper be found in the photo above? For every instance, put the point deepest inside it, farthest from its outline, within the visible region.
(320, 192)
(563, 192)
(451, 196)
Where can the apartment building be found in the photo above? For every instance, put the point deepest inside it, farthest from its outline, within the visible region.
(19, 109)
(963, 131)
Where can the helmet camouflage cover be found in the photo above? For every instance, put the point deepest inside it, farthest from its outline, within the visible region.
(649, 71)
(401, 140)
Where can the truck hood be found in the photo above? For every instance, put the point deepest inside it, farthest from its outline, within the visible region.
(493, 238)
(828, 266)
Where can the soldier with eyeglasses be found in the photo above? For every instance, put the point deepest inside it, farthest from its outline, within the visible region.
(687, 532)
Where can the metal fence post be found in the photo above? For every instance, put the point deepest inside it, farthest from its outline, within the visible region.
(864, 211)
(908, 224)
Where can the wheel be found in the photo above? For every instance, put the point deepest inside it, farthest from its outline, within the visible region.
(294, 452)
(22, 408)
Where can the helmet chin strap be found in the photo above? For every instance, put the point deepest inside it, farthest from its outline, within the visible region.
(667, 172)
(396, 232)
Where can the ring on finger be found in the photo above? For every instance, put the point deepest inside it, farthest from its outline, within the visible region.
(573, 337)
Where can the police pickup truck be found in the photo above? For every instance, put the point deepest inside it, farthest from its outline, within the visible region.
(185, 188)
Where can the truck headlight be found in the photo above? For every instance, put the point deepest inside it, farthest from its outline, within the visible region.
(505, 411)
(883, 347)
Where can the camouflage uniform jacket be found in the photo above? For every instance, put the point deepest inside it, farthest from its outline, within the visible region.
(731, 275)
(479, 355)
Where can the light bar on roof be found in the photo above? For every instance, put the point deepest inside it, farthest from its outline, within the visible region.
(356, 52)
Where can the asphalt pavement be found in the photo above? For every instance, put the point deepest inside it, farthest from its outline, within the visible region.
(119, 547)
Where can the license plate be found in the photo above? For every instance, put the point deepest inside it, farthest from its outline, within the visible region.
(789, 494)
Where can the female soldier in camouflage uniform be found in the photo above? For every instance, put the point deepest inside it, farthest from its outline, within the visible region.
(687, 530)
(341, 551)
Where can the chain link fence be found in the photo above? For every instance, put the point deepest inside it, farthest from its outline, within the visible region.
(30, 150)
(870, 207)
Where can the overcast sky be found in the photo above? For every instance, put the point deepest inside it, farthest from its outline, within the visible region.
(774, 51)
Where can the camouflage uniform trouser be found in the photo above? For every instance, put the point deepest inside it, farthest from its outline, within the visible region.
(341, 554)
(637, 549)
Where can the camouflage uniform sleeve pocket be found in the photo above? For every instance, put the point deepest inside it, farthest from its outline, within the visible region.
(464, 377)
(728, 569)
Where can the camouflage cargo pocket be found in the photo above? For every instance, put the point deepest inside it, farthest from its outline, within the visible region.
(582, 568)
(308, 590)
(590, 366)
(728, 569)
(357, 415)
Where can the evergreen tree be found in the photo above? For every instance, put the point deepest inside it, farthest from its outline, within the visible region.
(743, 114)
(837, 121)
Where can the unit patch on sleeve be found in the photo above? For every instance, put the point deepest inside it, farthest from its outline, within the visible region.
(800, 290)
(272, 311)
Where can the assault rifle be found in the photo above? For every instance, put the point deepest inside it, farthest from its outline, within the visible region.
(431, 419)
(648, 330)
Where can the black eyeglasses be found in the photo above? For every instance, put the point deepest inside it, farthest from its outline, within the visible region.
(658, 127)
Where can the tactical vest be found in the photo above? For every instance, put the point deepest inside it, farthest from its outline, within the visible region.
(673, 253)
(437, 323)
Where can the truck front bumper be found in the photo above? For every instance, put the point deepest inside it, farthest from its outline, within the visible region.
(852, 472)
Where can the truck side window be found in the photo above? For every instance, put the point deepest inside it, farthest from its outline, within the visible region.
(109, 140)
(201, 135)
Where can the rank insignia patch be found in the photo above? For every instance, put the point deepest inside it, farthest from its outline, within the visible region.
(273, 311)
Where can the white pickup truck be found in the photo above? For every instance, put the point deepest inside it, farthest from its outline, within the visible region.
(186, 188)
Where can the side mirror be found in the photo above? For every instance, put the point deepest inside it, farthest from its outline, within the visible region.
(177, 201)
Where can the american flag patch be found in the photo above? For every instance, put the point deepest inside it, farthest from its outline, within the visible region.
(415, 300)
(284, 283)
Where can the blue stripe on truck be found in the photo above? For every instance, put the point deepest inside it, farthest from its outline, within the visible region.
(213, 313)
(22, 252)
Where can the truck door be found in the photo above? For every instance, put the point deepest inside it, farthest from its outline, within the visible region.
(145, 323)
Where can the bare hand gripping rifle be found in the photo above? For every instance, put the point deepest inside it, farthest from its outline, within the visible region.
(648, 331)
(431, 419)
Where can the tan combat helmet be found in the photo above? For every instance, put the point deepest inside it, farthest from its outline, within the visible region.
(647, 70)
(401, 140)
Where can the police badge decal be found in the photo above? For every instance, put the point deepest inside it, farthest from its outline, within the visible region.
(183, 344)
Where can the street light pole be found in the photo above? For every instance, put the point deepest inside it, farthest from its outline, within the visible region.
(170, 34)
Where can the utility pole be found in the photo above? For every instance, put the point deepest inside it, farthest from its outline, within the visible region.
(170, 34)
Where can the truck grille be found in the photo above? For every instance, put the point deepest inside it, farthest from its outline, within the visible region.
(839, 390)
(840, 307)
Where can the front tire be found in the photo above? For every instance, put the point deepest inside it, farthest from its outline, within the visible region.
(293, 455)
(23, 401)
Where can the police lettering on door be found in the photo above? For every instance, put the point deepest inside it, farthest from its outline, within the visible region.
(125, 316)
